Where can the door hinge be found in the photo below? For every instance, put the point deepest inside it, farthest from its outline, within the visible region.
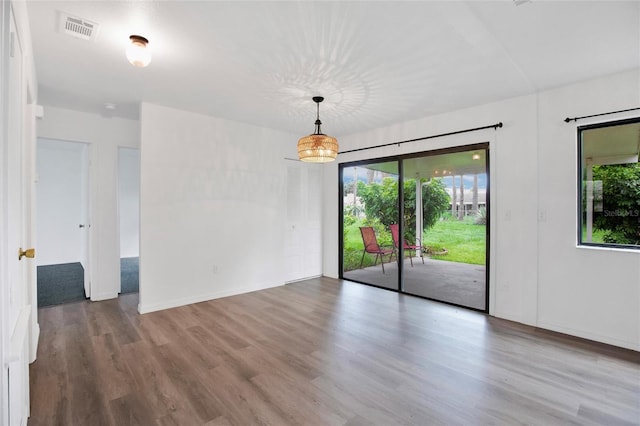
(12, 45)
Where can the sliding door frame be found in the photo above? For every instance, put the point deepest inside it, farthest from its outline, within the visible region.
(400, 160)
(400, 206)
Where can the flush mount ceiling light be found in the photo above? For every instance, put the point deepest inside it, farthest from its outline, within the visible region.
(138, 52)
(317, 147)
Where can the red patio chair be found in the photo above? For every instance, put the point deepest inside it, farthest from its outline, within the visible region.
(371, 246)
(395, 234)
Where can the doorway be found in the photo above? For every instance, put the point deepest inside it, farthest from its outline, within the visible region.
(418, 224)
(63, 222)
(129, 218)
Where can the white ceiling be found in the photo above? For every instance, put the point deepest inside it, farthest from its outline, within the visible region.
(376, 63)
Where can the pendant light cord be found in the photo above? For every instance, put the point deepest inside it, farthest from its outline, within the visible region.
(318, 122)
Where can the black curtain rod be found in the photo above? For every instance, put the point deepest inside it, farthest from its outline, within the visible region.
(493, 126)
(567, 120)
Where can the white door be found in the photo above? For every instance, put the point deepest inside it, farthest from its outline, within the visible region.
(303, 236)
(15, 304)
(312, 235)
(294, 245)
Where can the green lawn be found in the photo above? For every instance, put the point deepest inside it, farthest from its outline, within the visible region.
(597, 235)
(464, 241)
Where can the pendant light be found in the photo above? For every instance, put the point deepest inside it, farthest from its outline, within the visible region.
(317, 147)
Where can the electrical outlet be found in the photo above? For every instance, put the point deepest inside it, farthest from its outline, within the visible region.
(214, 268)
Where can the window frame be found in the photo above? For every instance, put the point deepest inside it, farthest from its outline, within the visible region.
(580, 199)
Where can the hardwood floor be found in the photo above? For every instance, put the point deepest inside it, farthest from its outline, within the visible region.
(320, 352)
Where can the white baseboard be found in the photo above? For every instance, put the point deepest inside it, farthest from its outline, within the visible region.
(509, 316)
(591, 336)
(302, 279)
(174, 303)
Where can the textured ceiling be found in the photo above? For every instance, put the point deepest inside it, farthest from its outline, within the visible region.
(376, 63)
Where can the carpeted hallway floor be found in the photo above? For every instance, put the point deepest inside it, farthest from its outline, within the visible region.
(129, 267)
(58, 284)
(64, 283)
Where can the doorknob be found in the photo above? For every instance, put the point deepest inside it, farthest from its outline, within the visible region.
(81, 226)
(30, 253)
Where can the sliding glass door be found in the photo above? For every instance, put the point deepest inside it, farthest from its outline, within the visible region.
(433, 243)
(369, 206)
(446, 228)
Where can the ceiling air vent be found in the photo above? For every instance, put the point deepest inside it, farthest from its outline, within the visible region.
(77, 27)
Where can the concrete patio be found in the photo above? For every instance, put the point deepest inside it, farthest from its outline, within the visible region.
(459, 283)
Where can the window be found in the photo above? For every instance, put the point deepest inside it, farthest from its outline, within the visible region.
(609, 184)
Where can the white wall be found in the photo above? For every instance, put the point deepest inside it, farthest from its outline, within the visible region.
(212, 207)
(104, 135)
(59, 201)
(537, 274)
(129, 201)
(587, 292)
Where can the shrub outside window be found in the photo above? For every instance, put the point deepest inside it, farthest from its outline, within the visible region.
(609, 184)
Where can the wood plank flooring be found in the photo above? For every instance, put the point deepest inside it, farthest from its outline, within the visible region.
(320, 352)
